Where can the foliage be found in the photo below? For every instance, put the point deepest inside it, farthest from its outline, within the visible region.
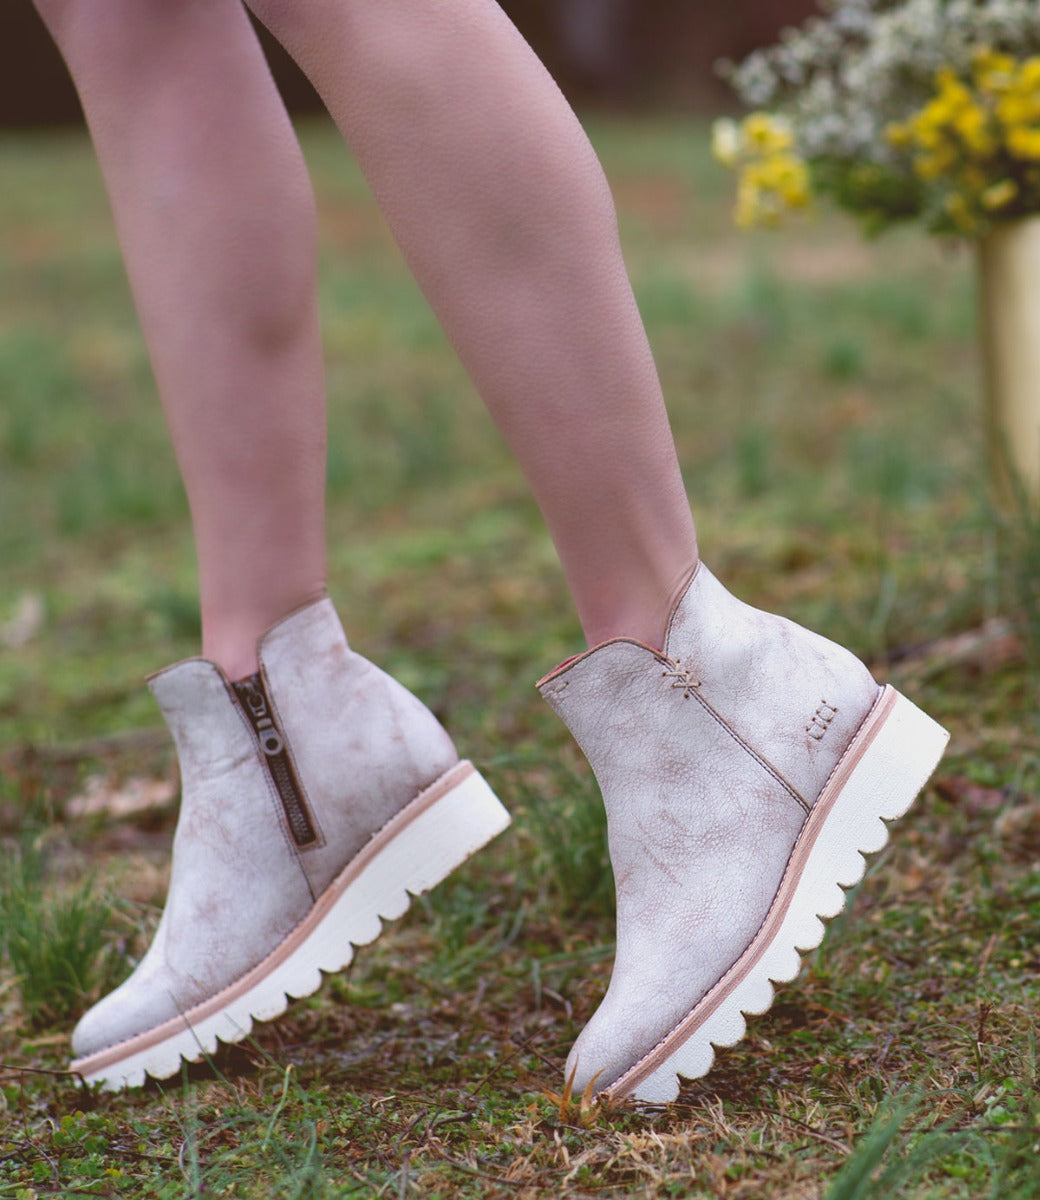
(919, 109)
(56, 945)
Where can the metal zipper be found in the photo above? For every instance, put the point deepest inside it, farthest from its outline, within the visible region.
(253, 697)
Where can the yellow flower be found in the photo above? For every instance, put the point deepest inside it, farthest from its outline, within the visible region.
(1019, 103)
(928, 126)
(993, 73)
(1017, 108)
(1013, 109)
(953, 94)
(787, 177)
(770, 186)
(765, 134)
(1023, 142)
(725, 141)
(1029, 75)
(972, 126)
(999, 195)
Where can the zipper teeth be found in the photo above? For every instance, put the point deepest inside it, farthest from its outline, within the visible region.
(299, 818)
(254, 700)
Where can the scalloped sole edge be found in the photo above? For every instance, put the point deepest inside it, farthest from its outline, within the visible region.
(887, 764)
(414, 852)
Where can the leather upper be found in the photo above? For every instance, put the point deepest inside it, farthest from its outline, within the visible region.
(709, 755)
(363, 748)
(364, 745)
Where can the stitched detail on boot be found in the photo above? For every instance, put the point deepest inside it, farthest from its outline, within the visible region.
(821, 720)
(878, 699)
(680, 677)
(274, 754)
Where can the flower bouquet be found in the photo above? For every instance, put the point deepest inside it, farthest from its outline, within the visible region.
(914, 110)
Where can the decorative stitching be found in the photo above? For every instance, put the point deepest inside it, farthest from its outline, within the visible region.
(821, 720)
(681, 679)
(859, 729)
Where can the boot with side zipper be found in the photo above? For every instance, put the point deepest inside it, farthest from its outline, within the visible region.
(318, 796)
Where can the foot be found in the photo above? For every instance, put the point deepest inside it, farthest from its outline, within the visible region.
(746, 769)
(317, 798)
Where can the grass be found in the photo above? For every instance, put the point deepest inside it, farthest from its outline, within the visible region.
(56, 946)
(825, 400)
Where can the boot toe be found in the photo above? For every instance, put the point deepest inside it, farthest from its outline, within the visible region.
(132, 1009)
(612, 1042)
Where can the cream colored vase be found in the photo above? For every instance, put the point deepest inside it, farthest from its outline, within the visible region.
(1009, 273)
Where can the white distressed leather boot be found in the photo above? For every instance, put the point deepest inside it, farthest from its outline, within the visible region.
(317, 798)
(746, 769)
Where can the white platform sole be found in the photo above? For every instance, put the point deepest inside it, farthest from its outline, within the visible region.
(422, 845)
(886, 765)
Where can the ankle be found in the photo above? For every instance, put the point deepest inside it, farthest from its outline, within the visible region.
(238, 662)
(232, 640)
(233, 647)
(641, 614)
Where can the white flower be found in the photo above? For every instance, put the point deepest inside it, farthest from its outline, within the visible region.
(725, 141)
(843, 77)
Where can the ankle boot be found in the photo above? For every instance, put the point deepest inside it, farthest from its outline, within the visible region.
(317, 798)
(746, 769)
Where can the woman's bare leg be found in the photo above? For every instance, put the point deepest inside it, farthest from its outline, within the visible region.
(286, 776)
(216, 219)
(503, 213)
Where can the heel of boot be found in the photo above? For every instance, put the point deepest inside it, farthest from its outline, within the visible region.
(889, 762)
